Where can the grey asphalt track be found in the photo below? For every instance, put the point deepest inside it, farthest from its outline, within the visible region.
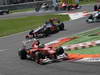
(31, 13)
(10, 64)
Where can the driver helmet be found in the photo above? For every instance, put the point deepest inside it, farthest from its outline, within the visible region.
(36, 41)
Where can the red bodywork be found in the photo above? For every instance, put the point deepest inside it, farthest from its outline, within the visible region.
(42, 54)
(98, 10)
(46, 50)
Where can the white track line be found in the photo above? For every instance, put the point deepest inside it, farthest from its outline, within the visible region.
(86, 31)
(2, 50)
(14, 34)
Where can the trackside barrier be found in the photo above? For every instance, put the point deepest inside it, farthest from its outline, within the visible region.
(23, 5)
(82, 45)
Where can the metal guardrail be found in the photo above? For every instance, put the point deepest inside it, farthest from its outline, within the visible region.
(23, 5)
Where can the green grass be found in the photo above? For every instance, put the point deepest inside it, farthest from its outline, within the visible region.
(87, 1)
(22, 10)
(81, 1)
(11, 26)
(85, 37)
(89, 32)
(91, 50)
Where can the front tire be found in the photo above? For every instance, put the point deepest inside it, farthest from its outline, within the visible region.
(89, 21)
(38, 57)
(59, 51)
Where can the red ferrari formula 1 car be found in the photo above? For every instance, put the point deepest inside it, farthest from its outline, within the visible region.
(65, 6)
(51, 26)
(42, 54)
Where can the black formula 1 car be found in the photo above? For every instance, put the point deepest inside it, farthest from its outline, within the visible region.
(47, 29)
(3, 12)
(92, 18)
(43, 54)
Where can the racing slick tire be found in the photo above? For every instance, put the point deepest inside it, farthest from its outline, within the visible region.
(59, 51)
(89, 21)
(61, 27)
(38, 57)
(23, 54)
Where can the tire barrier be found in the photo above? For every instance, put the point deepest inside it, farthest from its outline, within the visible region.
(82, 45)
(95, 34)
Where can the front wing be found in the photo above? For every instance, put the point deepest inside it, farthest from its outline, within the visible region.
(61, 57)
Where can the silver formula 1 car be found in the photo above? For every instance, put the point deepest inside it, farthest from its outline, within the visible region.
(50, 27)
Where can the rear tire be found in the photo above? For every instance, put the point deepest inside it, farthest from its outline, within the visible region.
(61, 27)
(23, 54)
(89, 21)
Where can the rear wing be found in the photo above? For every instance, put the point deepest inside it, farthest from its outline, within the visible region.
(27, 43)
